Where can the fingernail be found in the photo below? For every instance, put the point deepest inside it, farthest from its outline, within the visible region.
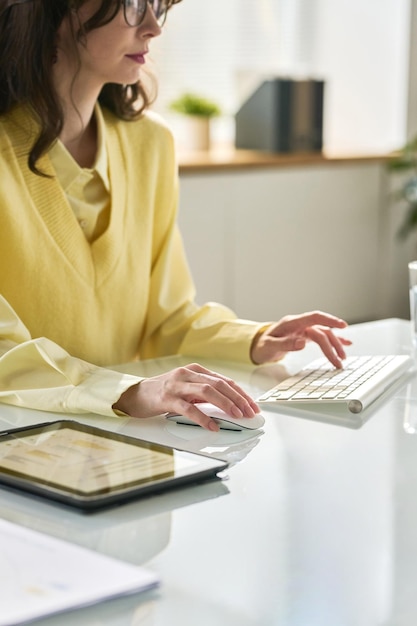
(213, 426)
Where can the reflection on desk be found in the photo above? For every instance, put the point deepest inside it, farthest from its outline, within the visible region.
(109, 530)
(317, 526)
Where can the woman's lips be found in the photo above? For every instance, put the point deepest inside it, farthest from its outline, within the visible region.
(137, 58)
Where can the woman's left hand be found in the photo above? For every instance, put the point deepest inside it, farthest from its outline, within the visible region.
(294, 331)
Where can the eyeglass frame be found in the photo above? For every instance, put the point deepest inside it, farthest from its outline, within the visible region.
(141, 15)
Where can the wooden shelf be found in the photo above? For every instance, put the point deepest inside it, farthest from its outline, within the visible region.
(224, 158)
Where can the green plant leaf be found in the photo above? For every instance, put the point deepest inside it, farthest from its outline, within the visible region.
(193, 104)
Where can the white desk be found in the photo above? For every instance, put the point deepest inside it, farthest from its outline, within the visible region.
(316, 524)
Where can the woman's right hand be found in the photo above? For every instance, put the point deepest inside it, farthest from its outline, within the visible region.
(180, 389)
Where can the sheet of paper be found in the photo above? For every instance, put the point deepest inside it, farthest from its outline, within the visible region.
(41, 575)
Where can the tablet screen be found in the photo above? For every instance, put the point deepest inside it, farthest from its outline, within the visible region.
(87, 463)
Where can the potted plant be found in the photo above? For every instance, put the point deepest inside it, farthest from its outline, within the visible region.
(198, 111)
(405, 160)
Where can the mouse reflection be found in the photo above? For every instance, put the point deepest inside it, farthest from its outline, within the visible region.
(228, 445)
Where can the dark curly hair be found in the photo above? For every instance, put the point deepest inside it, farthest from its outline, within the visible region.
(28, 32)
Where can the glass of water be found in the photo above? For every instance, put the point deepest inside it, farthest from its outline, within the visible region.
(412, 275)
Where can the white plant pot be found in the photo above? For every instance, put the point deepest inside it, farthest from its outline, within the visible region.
(196, 135)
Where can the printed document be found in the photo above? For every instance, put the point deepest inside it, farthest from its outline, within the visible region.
(41, 575)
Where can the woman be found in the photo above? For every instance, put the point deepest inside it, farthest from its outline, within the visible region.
(92, 269)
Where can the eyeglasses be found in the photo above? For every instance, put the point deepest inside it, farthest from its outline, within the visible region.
(135, 10)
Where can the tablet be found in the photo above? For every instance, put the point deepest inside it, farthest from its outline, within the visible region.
(89, 468)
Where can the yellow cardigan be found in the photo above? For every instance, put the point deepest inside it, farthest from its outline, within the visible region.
(126, 295)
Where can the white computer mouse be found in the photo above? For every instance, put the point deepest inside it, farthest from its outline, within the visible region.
(224, 421)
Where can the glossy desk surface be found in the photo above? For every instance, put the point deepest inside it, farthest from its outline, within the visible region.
(315, 523)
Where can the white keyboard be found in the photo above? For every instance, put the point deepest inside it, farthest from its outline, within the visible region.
(361, 381)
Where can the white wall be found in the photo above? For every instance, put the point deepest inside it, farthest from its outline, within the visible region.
(363, 50)
(412, 95)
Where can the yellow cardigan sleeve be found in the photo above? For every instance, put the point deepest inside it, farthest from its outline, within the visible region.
(177, 325)
(37, 373)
